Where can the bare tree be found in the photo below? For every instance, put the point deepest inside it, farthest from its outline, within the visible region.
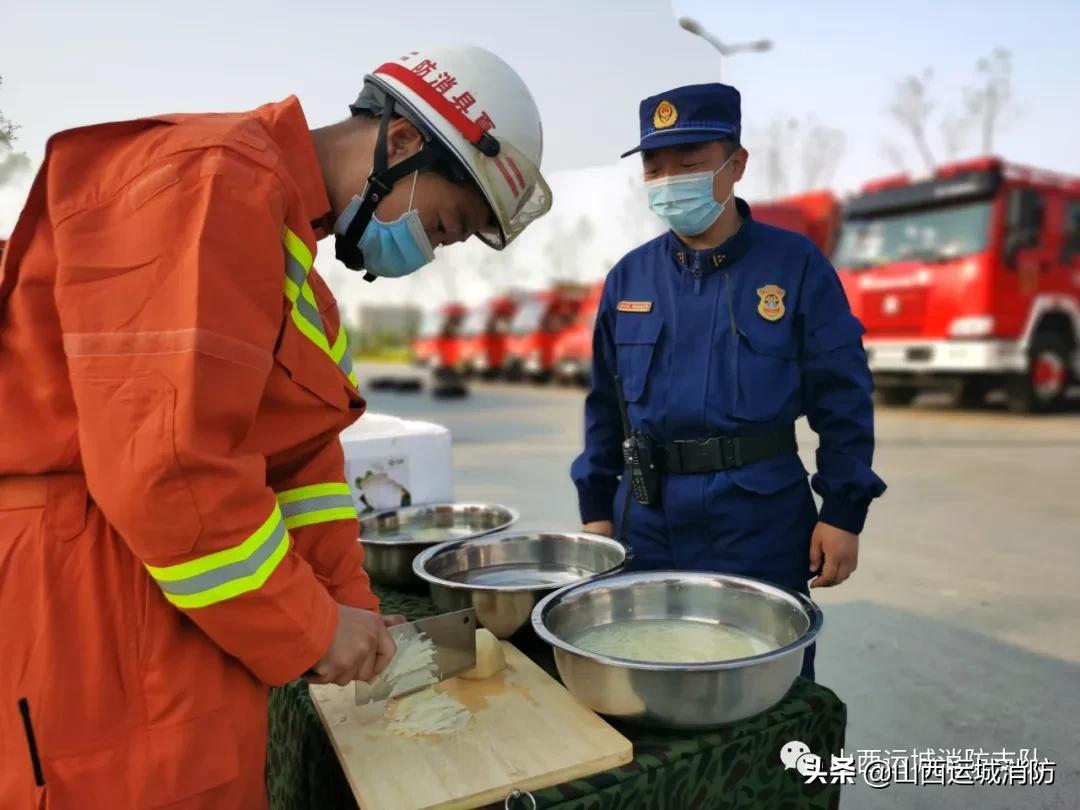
(895, 156)
(822, 149)
(912, 107)
(954, 132)
(776, 154)
(992, 95)
(12, 164)
(799, 155)
(7, 127)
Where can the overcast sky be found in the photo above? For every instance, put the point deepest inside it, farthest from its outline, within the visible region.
(589, 62)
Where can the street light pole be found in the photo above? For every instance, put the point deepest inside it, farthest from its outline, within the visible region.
(694, 27)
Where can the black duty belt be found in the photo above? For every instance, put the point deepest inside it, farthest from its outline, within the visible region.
(726, 452)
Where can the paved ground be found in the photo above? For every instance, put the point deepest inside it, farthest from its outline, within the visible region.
(961, 628)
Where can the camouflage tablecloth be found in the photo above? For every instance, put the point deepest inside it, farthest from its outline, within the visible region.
(735, 767)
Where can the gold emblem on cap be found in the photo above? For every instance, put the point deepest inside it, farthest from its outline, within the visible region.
(665, 116)
(771, 305)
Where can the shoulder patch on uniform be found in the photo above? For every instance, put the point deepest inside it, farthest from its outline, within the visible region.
(255, 145)
(635, 306)
(771, 303)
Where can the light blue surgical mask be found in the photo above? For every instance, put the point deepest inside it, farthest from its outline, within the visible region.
(391, 249)
(685, 202)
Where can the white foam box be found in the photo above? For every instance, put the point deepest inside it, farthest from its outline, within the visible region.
(392, 462)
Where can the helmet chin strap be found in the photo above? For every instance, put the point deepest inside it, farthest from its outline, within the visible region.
(379, 184)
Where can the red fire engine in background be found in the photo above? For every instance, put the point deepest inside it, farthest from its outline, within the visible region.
(540, 319)
(438, 344)
(968, 279)
(815, 215)
(572, 352)
(484, 335)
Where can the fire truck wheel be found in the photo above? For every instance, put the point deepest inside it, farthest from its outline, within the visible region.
(896, 394)
(1042, 389)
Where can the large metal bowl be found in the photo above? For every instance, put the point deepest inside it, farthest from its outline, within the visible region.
(683, 696)
(504, 575)
(392, 538)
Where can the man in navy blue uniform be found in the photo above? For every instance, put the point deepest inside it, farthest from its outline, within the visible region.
(722, 332)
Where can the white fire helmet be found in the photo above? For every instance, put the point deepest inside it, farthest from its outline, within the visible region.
(480, 110)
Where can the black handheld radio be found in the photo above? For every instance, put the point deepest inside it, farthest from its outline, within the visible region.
(639, 454)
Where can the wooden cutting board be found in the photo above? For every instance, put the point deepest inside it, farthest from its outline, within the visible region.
(526, 732)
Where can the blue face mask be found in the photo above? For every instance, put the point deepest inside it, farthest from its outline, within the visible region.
(685, 202)
(391, 249)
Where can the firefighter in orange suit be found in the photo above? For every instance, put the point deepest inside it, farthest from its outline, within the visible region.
(176, 533)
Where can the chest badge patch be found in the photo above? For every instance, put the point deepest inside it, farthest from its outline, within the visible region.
(635, 306)
(771, 305)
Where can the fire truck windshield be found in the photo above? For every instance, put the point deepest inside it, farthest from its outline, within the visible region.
(528, 317)
(929, 235)
(476, 323)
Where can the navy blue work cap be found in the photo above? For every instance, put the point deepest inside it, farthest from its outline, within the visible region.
(691, 114)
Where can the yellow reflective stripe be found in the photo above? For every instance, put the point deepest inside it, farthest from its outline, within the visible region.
(312, 491)
(353, 379)
(310, 332)
(316, 503)
(297, 249)
(201, 565)
(341, 343)
(302, 296)
(235, 587)
(321, 516)
(292, 292)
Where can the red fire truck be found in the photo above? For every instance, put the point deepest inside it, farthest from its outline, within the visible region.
(815, 215)
(438, 345)
(968, 279)
(541, 318)
(484, 335)
(572, 353)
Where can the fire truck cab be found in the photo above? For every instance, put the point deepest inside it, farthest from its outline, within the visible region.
(573, 348)
(969, 279)
(542, 317)
(484, 335)
(815, 215)
(438, 344)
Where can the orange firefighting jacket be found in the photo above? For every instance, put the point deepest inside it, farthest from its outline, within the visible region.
(164, 335)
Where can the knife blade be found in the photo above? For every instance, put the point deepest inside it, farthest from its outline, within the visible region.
(454, 638)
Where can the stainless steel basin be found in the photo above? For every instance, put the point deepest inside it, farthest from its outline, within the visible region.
(504, 575)
(687, 696)
(392, 538)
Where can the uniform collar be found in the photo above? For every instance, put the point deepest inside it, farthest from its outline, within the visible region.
(287, 125)
(732, 249)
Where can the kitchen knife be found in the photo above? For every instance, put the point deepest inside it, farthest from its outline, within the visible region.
(454, 637)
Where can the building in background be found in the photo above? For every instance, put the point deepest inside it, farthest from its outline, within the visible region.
(385, 328)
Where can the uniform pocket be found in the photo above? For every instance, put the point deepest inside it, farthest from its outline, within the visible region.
(767, 376)
(635, 344)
